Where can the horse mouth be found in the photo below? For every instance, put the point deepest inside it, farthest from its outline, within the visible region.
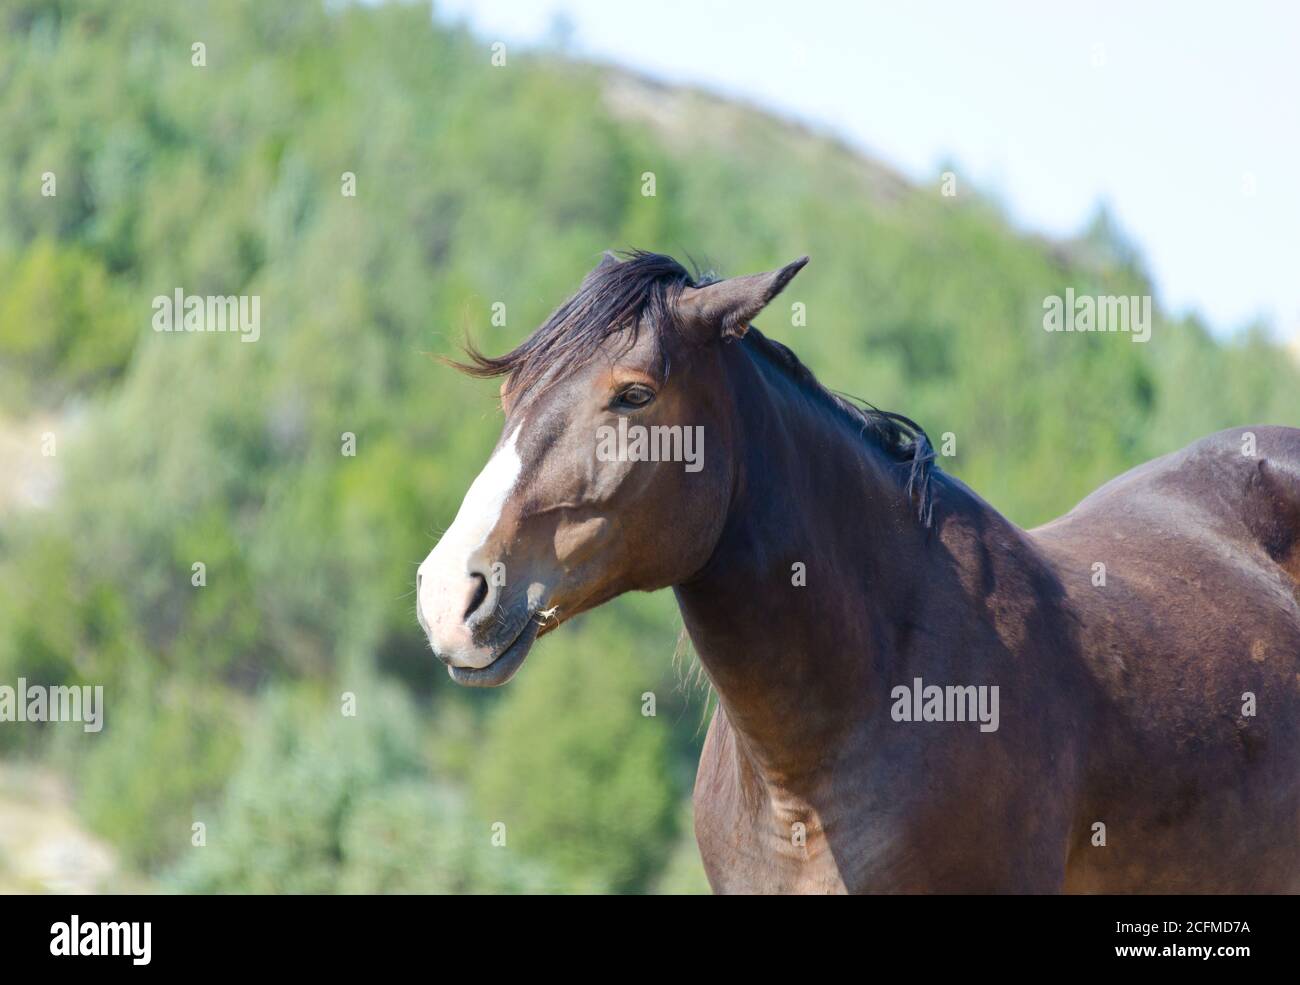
(507, 663)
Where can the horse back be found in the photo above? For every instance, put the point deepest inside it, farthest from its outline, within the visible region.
(1229, 500)
(1182, 580)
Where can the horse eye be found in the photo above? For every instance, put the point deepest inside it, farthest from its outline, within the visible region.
(635, 396)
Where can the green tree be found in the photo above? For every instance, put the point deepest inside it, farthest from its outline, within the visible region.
(578, 775)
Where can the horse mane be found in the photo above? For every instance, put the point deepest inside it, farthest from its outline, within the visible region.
(625, 295)
(618, 296)
(900, 438)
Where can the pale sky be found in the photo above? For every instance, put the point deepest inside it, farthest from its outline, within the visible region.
(1183, 117)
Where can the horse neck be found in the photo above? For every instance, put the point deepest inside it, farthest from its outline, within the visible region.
(800, 665)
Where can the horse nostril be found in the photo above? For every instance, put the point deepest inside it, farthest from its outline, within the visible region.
(480, 596)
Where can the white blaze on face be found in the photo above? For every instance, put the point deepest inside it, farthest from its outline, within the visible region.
(446, 583)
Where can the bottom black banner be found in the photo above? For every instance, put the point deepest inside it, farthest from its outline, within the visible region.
(145, 935)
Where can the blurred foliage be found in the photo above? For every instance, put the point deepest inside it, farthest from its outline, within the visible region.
(475, 184)
(601, 810)
(169, 753)
(339, 802)
(47, 299)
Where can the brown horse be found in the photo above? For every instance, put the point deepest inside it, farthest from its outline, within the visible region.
(915, 695)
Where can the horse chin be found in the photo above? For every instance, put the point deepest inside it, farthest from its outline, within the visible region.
(504, 667)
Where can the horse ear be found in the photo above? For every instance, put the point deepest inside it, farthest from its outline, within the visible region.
(727, 307)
